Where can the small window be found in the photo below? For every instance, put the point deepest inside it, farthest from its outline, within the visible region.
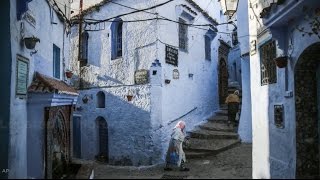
(116, 39)
(56, 61)
(101, 100)
(268, 67)
(84, 48)
(207, 44)
(183, 35)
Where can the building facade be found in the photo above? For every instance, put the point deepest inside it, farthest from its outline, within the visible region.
(38, 100)
(284, 68)
(139, 77)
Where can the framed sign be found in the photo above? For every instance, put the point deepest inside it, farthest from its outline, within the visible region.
(141, 76)
(171, 55)
(22, 73)
(175, 74)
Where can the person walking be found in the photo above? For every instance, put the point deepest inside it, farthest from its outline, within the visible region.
(175, 155)
(233, 106)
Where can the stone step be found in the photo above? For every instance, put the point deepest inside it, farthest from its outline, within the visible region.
(213, 146)
(209, 134)
(225, 107)
(195, 154)
(214, 126)
(222, 113)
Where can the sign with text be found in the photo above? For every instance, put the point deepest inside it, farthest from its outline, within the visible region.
(141, 76)
(171, 55)
(22, 76)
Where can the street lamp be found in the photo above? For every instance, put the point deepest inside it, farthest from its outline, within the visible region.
(229, 7)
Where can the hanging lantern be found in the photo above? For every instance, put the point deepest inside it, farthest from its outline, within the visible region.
(229, 7)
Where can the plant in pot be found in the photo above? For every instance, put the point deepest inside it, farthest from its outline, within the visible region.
(30, 42)
(281, 61)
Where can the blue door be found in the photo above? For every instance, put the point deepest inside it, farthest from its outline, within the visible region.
(77, 136)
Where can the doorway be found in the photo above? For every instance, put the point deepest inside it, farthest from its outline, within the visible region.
(307, 113)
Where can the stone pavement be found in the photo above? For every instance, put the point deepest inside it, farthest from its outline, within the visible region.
(234, 163)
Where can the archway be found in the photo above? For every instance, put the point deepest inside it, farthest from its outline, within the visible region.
(307, 93)
(223, 80)
(103, 144)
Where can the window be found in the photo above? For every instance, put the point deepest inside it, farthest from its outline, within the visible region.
(268, 67)
(84, 48)
(207, 44)
(56, 61)
(116, 42)
(183, 35)
(101, 99)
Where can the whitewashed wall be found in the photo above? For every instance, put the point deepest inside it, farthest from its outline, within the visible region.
(168, 101)
(42, 61)
(245, 124)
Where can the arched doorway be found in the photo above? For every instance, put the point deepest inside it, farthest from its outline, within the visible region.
(223, 80)
(307, 93)
(103, 144)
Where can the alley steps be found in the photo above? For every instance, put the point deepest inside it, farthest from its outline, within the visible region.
(214, 126)
(209, 134)
(215, 135)
(213, 146)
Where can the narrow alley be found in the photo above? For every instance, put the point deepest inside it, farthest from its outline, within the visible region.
(160, 89)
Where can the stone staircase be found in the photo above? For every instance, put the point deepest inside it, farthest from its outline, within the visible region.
(214, 136)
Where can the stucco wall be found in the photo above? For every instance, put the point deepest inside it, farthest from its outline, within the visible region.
(274, 153)
(42, 61)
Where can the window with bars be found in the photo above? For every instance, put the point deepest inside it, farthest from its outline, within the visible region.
(84, 48)
(119, 40)
(116, 43)
(207, 44)
(268, 67)
(183, 35)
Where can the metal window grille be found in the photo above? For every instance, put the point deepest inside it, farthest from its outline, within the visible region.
(84, 47)
(183, 35)
(207, 42)
(119, 40)
(268, 67)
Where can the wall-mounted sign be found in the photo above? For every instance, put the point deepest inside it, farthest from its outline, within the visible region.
(141, 76)
(253, 47)
(175, 74)
(171, 55)
(30, 18)
(22, 76)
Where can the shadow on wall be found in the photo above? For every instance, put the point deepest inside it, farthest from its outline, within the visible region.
(132, 140)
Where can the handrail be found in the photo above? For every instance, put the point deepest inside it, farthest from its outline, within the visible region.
(182, 116)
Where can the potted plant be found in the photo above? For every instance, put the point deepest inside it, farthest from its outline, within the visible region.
(69, 73)
(30, 42)
(281, 61)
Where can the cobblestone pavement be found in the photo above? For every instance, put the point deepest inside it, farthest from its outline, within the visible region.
(235, 163)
